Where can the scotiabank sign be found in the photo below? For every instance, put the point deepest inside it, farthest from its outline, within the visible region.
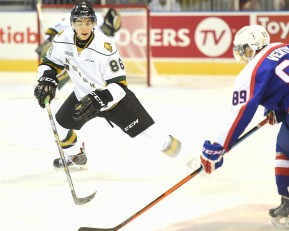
(18, 35)
(26, 35)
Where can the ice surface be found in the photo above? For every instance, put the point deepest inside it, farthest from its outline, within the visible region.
(127, 173)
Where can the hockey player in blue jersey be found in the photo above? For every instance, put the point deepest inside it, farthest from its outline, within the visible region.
(263, 81)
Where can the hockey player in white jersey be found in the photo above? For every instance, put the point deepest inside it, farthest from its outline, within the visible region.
(100, 88)
(110, 24)
(263, 81)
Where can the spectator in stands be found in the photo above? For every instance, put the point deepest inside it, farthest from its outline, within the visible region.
(250, 5)
(65, 1)
(279, 4)
(164, 5)
(264, 5)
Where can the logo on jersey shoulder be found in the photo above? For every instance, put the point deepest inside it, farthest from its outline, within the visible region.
(59, 33)
(108, 46)
(68, 53)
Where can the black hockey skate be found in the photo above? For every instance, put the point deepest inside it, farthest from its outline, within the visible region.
(280, 215)
(79, 160)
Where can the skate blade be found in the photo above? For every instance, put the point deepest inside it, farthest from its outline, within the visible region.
(75, 168)
(78, 167)
(280, 222)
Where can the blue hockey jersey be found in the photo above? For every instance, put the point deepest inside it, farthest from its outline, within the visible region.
(263, 81)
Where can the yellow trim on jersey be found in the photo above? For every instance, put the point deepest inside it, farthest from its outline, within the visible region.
(51, 31)
(123, 82)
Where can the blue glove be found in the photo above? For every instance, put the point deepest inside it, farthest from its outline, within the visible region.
(274, 117)
(212, 156)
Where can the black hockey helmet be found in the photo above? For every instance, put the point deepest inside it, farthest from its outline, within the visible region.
(82, 9)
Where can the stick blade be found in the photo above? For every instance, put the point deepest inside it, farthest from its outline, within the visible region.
(85, 200)
(95, 229)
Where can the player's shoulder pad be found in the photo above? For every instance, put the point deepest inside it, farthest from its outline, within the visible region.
(64, 36)
(104, 44)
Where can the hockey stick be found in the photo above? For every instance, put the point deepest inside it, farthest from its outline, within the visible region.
(78, 201)
(172, 189)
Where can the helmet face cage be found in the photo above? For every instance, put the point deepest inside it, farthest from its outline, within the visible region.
(240, 52)
(82, 10)
(253, 37)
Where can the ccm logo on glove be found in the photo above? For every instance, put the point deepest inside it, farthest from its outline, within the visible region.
(48, 79)
(212, 152)
(98, 99)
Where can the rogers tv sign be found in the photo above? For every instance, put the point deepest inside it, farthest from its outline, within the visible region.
(213, 37)
(195, 36)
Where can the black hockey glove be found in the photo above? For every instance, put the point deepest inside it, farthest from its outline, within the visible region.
(90, 105)
(112, 22)
(46, 87)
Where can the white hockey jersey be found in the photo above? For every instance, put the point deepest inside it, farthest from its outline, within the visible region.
(97, 66)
